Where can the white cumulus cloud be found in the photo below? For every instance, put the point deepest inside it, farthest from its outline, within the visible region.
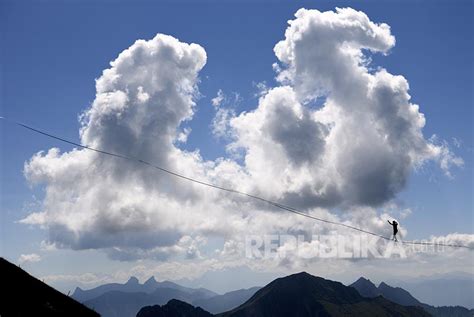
(361, 145)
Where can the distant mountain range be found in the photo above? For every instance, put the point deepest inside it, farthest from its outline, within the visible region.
(133, 285)
(24, 295)
(125, 300)
(400, 296)
(458, 289)
(295, 295)
(222, 303)
(298, 295)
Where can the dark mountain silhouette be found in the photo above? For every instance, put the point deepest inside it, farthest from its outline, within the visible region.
(400, 296)
(448, 311)
(366, 288)
(227, 301)
(297, 295)
(302, 295)
(174, 308)
(133, 286)
(24, 295)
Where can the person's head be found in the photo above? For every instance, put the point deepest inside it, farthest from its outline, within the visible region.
(395, 222)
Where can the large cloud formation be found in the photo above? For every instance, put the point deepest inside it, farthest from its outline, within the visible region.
(356, 149)
(94, 201)
(360, 147)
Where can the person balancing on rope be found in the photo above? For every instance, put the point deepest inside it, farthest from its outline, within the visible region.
(395, 229)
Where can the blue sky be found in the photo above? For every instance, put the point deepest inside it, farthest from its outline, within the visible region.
(52, 52)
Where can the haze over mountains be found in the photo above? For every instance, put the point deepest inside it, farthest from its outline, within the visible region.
(298, 295)
(133, 285)
(116, 299)
(400, 296)
(303, 295)
(458, 289)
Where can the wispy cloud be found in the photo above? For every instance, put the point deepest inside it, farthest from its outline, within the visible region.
(29, 258)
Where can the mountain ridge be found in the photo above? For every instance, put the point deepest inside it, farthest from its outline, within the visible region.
(325, 297)
(303, 294)
(133, 286)
(17, 288)
(403, 297)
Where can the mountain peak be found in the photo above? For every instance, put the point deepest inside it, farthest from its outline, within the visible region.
(77, 292)
(397, 295)
(383, 284)
(173, 308)
(132, 280)
(302, 294)
(151, 281)
(308, 287)
(301, 274)
(363, 280)
(365, 287)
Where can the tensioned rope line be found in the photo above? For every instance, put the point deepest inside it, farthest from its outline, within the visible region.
(230, 190)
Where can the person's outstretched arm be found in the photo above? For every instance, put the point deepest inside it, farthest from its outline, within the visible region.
(389, 222)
